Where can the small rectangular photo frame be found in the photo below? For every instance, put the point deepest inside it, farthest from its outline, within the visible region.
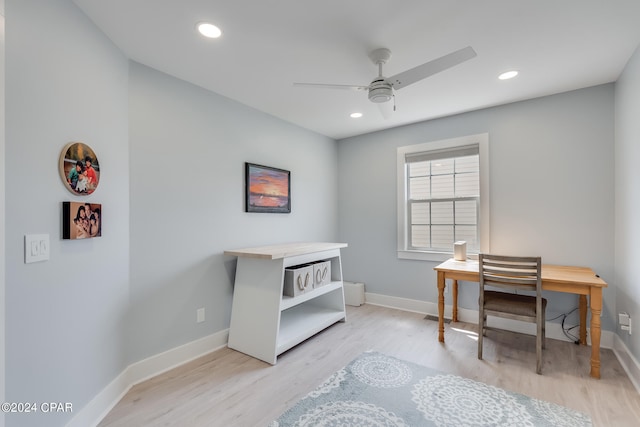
(267, 189)
(81, 220)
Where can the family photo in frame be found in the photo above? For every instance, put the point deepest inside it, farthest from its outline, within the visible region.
(81, 220)
(79, 168)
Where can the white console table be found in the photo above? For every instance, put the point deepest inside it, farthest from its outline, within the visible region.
(264, 323)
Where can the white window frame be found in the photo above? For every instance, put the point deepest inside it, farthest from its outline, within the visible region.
(482, 140)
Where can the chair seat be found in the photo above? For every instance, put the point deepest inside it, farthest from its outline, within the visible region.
(516, 304)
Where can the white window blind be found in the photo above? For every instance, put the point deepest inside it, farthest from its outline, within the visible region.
(443, 198)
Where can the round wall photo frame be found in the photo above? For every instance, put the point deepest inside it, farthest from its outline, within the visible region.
(79, 168)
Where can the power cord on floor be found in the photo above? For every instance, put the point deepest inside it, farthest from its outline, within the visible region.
(567, 329)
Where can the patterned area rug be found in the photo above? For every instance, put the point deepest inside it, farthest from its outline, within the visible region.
(378, 390)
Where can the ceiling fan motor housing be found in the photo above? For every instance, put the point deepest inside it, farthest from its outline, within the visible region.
(380, 91)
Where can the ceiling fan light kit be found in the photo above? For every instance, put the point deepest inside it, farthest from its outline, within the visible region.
(380, 90)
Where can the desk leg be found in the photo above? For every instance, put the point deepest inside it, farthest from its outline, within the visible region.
(583, 319)
(455, 300)
(596, 309)
(441, 283)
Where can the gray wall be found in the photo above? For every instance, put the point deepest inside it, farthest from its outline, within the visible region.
(551, 176)
(627, 196)
(65, 82)
(188, 147)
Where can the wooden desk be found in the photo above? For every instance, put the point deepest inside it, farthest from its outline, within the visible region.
(575, 280)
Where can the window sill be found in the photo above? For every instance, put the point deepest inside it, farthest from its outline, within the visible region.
(429, 256)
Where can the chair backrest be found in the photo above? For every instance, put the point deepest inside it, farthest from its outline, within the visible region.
(511, 272)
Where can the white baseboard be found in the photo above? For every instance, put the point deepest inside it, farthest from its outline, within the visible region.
(554, 330)
(99, 406)
(629, 363)
(405, 304)
(154, 365)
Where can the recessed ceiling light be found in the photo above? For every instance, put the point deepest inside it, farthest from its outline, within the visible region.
(209, 30)
(355, 115)
(508, 75)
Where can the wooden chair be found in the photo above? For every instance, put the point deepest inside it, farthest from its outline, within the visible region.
(515, 274)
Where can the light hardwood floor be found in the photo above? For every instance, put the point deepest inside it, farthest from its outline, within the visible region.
(227, 388)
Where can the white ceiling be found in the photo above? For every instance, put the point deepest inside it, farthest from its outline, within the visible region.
(557, 45)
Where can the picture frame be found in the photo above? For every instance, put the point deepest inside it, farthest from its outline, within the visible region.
(79, 168)
(267, 189)
(81, 220)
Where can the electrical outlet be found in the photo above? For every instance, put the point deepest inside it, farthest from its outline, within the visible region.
(625, 322)
(200, 315)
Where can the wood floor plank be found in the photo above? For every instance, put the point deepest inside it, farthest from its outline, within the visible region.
(227, 388)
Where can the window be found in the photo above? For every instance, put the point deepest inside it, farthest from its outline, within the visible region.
(443, 197)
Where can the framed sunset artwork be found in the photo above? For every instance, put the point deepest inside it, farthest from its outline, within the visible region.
(267, 189)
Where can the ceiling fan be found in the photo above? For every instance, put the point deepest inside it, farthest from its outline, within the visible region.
(380, 90)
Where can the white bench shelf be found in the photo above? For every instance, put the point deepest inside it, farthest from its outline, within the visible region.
(264, 323)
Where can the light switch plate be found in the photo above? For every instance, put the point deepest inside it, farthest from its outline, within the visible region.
(36, 248)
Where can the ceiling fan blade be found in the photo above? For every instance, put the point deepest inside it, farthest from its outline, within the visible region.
(327, 86)
(432, 67)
